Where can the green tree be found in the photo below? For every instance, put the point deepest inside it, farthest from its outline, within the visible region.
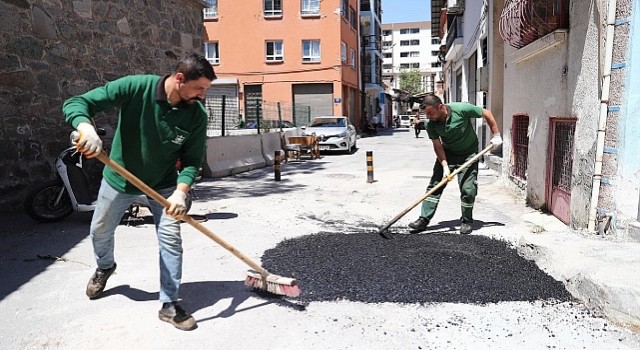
(410, 80)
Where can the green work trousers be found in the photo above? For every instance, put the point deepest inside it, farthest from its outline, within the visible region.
(467, 180)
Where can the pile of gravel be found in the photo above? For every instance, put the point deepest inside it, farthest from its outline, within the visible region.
(418, 268)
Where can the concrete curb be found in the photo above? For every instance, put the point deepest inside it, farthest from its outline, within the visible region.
(603, 274)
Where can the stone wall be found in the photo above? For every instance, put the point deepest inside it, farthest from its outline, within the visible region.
(53, 49)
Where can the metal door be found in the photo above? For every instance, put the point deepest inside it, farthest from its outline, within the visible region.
(252, 102)
(561, 135)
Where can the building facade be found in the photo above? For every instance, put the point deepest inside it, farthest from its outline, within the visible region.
(374, 99)
(51, 50)
(559, 79)
(408, 47)
(289, 60)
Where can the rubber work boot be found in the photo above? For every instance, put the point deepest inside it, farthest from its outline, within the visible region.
(465, 228)
(173, 313)
(98, 281)
(419, 225)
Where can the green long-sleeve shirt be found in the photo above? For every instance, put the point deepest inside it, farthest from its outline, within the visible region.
(456, 133)
(151, 135)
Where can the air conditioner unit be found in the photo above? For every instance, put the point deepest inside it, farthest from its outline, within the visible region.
(455, 7)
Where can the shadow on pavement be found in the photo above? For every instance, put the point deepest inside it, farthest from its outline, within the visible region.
(200, 295)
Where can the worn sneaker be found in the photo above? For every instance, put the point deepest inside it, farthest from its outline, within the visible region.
(98, 281)
(419, 225)
(465, 228)
(173, 313)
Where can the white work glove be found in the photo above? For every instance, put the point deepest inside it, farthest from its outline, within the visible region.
(89, 142)
(496, 141)
(177, 204)
(446, 173)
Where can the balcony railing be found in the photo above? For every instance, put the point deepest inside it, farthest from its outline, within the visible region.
(525, 21)
(454, 32)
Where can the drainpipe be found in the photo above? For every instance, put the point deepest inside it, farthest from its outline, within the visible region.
(602, 119)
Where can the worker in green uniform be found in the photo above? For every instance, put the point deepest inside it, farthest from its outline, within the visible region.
(161, 120)
(454, 140)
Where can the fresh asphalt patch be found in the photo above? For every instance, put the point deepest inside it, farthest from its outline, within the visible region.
(417, 268)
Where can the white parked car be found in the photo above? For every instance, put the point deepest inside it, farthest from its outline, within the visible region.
(335, 133)
(405, 120)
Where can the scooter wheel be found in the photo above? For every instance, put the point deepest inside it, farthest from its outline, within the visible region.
(49, 202)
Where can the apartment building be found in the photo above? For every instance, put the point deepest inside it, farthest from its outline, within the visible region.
(409, 47)
(374, 100)
(300, 55)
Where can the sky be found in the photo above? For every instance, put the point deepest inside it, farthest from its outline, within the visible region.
(395, 11)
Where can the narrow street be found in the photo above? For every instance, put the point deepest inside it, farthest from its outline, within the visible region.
(435, 290)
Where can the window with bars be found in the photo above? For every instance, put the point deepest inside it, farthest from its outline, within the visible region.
(272, 8)
(525, 21)
(520, 145)
(563, 136)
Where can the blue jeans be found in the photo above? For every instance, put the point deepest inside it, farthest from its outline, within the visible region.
(108, 213)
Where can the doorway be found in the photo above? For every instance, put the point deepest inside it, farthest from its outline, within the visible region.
(560, 161)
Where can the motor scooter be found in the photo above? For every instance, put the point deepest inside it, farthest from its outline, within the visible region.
(72, 191)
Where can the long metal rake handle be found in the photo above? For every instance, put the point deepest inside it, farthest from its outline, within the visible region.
(159, 198)
(436, 187)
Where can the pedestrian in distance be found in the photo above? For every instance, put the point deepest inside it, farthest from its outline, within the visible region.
(454, 141)
(160, 119)
(374, 124)
(418, 125)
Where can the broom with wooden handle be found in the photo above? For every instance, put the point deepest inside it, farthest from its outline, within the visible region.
(384, 231)
(258, 278)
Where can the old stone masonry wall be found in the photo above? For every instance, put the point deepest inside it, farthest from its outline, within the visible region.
(53, 49)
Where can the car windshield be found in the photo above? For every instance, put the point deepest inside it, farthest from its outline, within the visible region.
(328, 122)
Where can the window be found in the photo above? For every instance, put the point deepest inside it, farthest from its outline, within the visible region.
(404, 54)
(352, 18)
(343, 52)
(436, 65)
(310, 51)
(344, 8)
(409, 42)
(211, 52)
(435, 41)
(388, 66)
(353, 58)
(435, 53)
(212, 10)
(386, 32)
(415, 42)
(272, 8)
(410, 31)
(274, 51)
(520, 142)
(309, 7)
(387, 55)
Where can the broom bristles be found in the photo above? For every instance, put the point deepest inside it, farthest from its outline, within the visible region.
(273, 284)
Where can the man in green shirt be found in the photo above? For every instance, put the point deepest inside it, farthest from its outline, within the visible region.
(160, 120)
(454, 142)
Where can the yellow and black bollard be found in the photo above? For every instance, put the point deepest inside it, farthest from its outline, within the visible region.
(276, 166)
(369, 166)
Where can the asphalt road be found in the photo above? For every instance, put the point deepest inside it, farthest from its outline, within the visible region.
(435, 290)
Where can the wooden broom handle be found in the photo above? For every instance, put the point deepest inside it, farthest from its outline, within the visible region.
(160, 199)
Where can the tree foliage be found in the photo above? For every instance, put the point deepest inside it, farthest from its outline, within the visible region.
(410, 80)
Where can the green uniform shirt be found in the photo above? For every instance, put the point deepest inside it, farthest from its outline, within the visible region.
(456, 133)
(151, 135)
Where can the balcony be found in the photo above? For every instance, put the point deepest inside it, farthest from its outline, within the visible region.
(454, 38)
